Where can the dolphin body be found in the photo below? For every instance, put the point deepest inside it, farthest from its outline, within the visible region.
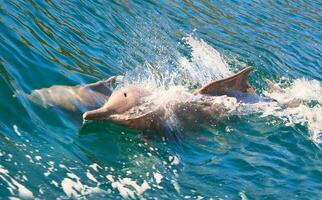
(129, 105)
(74, 99)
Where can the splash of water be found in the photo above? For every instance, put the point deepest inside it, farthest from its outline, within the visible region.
(170, 86)
(205, 64)
(302, 101)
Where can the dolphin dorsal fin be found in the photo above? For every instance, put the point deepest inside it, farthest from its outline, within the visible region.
(237, 82)
(103, 87)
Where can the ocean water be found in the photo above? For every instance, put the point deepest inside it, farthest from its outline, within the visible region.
(255, 151)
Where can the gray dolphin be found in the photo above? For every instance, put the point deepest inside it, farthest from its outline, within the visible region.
(128, 105)
(79, 98)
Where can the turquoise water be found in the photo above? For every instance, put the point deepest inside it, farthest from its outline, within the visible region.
(257, 153)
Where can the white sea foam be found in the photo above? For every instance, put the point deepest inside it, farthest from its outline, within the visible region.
(15, 128)
(50, 169)
(95, 166)
(126, 185)
(73, 187)
(91, 177)
(158, 177)
(174, 160)
(243, 195)
(13, 198)
(300, 89)
(176, 185)
(54, 183)
(14, 185)
(299, 106)
(37, 158)
(30, 159)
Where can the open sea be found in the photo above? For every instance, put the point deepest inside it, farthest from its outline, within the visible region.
(256, 151)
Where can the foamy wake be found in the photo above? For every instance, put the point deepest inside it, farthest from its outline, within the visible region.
(298, 103)
(301, 102)
(295, 105)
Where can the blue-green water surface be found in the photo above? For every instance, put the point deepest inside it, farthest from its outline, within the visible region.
(47, 155)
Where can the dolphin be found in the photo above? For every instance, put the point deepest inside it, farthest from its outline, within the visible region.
(74, 99)
(130, 105)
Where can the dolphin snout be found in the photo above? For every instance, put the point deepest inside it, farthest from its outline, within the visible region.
(85, 116)
(97, 114)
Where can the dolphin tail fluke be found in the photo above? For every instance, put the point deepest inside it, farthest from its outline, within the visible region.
(237, 82)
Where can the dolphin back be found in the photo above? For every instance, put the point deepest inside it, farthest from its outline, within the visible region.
(79, 98)
(237, 82)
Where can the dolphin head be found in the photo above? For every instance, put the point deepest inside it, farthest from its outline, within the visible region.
(119, 102)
